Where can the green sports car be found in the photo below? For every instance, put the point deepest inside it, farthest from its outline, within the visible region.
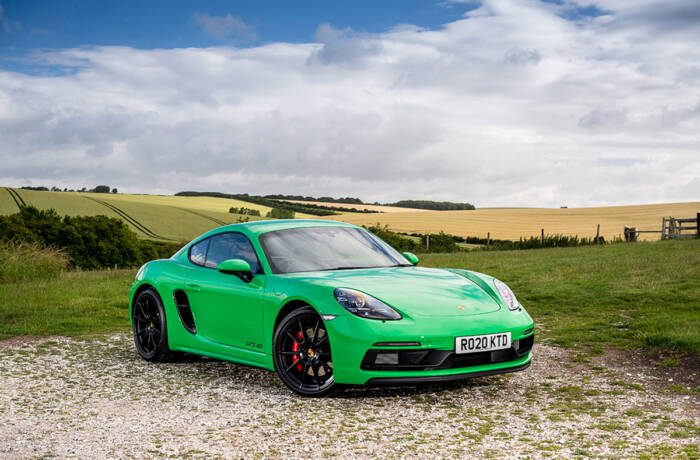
(326, 304)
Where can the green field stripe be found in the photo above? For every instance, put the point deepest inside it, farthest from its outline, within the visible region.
(19, 197)
(16, 198)
(123, 215)
(145, 230)
(128, 218)
(203, 216)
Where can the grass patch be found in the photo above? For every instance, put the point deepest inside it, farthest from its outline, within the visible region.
(72, 304)
(640, 295)
(24, 262)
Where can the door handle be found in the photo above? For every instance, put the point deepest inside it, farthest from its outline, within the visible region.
(194, 287)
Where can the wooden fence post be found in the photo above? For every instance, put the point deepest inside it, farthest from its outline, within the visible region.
(663, 228)
(488, 239)
(427, 242)
(597, 234)
(542, 236)
(697, 225)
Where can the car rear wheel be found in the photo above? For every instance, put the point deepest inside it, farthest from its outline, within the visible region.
(302, 354)
(150, 329)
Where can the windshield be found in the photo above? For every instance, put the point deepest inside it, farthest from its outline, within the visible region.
(327, 248)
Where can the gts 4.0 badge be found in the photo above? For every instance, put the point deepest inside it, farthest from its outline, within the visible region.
(253, 345)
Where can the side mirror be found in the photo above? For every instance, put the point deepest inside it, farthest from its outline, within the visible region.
(238, 267)
(411, 257)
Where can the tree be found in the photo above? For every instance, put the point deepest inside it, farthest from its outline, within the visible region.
(114, 190)
(279, 213)
(101, 189)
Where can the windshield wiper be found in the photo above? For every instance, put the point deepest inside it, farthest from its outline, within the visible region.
(350, 267)
(343, 268)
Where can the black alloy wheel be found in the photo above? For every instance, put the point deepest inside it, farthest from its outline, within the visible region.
(302, 354)
(150, 329)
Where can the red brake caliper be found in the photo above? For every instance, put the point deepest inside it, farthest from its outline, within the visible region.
(295, 349)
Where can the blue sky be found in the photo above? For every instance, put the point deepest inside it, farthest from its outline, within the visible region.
(497, 102)
(172, 24)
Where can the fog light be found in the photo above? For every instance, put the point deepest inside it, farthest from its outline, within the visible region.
(387, 357)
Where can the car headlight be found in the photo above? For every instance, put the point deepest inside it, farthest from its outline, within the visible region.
(363, 305)
(506, 294)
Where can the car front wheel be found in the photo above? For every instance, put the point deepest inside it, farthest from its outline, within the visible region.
(150, 329)
(302, 354)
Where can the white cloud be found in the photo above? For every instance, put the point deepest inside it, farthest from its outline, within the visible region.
(511, 105)
(224, 27)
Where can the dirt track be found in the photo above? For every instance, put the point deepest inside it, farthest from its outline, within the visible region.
(60, 397)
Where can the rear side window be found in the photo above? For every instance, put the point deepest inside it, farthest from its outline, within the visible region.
(198, 252)
(228, 246)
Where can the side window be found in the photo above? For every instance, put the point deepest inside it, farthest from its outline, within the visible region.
(198, 252)
(231, 246)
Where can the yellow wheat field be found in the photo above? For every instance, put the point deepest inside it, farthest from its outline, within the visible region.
(511, 224)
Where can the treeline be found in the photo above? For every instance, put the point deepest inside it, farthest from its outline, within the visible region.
(97, 189)
(325, 199)
(294, 207)
(433, 205)
(89, 241)
(321, 210)
(418, 204)
(335, 209)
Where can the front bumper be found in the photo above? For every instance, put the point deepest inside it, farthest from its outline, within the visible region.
(443, 378)
(353, 338)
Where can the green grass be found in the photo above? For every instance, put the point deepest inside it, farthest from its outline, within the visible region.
(630, 295)
(25, 262)
(644, 295)
(72, 304)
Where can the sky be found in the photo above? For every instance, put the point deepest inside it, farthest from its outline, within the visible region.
(497, 103)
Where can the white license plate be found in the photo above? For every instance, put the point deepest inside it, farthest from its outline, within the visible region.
(487, 342)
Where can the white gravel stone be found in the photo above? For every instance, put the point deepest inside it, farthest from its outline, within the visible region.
(97, 399)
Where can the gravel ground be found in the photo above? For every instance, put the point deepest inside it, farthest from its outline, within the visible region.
(69, 398)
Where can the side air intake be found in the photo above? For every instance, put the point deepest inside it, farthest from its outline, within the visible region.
(184, 310)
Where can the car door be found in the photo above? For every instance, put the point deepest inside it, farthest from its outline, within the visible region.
(227, 309)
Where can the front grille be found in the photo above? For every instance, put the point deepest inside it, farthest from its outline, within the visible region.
(404, 360)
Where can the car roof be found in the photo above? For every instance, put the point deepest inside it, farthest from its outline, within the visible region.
(259, 227)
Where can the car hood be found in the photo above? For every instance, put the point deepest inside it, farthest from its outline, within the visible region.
(415, 291)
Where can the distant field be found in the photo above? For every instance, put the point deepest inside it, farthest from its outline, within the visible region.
(368, 207)
(182, 218)
(150, 216)
(512, 223)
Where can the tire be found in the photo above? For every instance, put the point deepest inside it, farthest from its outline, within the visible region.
(150, 328)
(302, 354)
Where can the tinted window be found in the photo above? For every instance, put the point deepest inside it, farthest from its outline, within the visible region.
(231, 246)
(198, 252)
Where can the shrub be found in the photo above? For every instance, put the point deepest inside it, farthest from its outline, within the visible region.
(280, 213)
(90, 241)
(21, 262)
(440, 242)
(245, 211)
(396, 241)
(101, 189)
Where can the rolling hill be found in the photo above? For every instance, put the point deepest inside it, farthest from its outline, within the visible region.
(150, 216)
(181, 218)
